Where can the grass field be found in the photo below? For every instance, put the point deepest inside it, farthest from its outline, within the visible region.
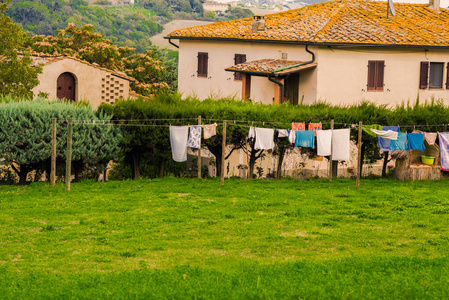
(189, 238)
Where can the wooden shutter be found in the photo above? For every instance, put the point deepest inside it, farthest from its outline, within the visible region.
(371, 75)
(203, 58)
(380, 75)
(424, 75)
(238, 59)
(447, 76)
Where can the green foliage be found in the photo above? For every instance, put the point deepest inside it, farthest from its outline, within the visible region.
(18, 76)
(120, 24)
(25, 135)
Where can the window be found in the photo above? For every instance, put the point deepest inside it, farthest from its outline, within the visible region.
(238, 59)
(431, 75)
(202, 64)
(376, 75)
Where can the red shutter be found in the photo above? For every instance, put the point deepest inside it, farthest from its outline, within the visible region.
(380, 75)
(424, 75)
(447, 76)
(371, 75)
(206, 63)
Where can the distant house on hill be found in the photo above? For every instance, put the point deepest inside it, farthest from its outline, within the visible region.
(75, 80)
(337, 51)
(216, 6)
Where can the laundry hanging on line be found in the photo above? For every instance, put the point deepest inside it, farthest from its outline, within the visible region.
(315, 127)
(178, 142)
(264, 138)
(305, 138)
(341, 144)
(194, 137)
(444, 150)
(415, 141)
(298, 126)
(382, 142)
(400, 143)
(210, 130)
(324, 142)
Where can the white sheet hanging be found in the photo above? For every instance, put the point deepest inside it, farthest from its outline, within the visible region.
(388, 134)
(324, 142)
(264, 138)
(178, 142)
(340, 144)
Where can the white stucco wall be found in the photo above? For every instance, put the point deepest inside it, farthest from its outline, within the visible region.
(343, 74)
(92, 84)
(221, 83)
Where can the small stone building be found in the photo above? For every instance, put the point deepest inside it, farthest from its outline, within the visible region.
(77, 80)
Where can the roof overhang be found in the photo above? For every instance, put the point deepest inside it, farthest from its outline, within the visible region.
(271, 67)
(292, 42)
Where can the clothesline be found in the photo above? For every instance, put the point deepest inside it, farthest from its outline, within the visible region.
(126, 122)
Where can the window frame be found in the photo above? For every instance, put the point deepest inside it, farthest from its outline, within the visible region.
(239, 59)
(376, 76)
(425, 75)
(203, 61)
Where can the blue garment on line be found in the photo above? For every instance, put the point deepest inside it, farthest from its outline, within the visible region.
(305, 138)
(400, 143)
(383, 143)
(416, 141)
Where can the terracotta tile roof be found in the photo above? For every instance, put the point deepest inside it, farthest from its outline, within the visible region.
(338, 22)
(267, 66)
(39, 58)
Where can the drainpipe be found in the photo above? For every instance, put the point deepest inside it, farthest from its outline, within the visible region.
(171, 43)
(281, 85)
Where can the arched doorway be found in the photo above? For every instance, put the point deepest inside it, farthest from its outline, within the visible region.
(66, 86)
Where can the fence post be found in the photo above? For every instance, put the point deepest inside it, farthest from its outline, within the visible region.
(223, 154)
(359, 155)
(199, 151)
(53, 153)
(330, 156)
(68, 166)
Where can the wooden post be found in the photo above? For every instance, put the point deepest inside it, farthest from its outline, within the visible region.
(68, 166)
(223, 154)
(330, 156)
(199, 151)
(53, 153)
(359, 155)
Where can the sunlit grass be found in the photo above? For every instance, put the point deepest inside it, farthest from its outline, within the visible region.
(248, 239)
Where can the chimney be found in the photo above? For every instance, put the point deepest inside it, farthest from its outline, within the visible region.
(434, 4)
(258, 24)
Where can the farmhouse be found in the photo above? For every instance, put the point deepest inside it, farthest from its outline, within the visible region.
(76, 80)
(339, 51)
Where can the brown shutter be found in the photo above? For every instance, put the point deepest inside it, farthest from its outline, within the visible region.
(447, 76)
(424, 75)
(202, 64)
(238, 59)
(371, 75)
(380, 75)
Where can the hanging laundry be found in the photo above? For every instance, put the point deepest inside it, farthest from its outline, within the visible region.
(251, 133)
(298, 126)
(430, 137)
(264, 138)
(178, 142)
(367, 129)
(315, 127)
(416, 141)
(444, 150)
(282, 133)
(292, 136)
(324, 142)
(383, 142)
(400, 143)
(305, 138)
(387, 135)
(194, 137)
(210, 130)
(340, 144)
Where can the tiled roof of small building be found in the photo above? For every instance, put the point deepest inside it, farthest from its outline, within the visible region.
(338, 22)
(266, 66)
(39, 58)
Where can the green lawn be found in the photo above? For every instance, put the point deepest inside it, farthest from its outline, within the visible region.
(189, 238)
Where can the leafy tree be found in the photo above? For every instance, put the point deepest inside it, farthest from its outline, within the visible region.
(18, 76)
(25, 135)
